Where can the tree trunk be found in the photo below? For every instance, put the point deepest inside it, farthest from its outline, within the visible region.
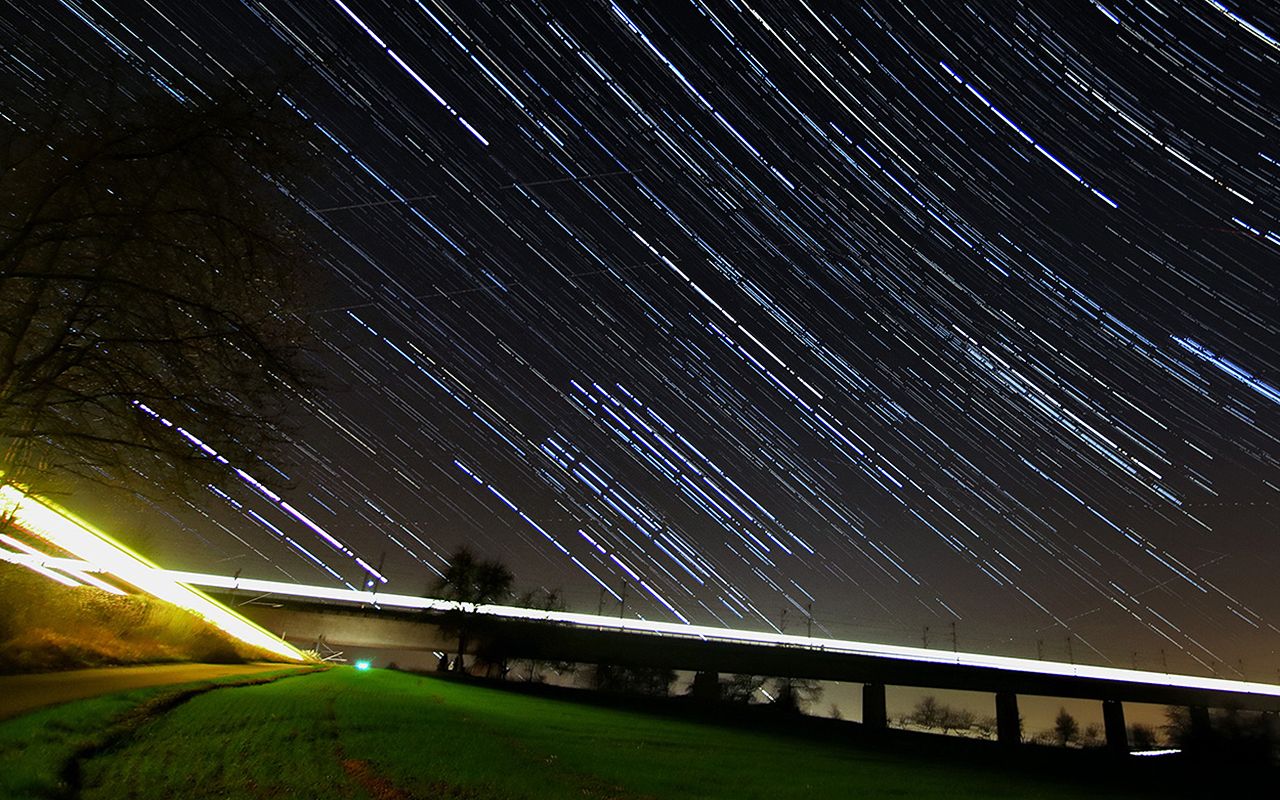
(459, 665)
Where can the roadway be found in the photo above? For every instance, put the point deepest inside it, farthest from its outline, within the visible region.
(22, 693)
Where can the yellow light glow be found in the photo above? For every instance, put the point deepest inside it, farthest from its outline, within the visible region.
(104, 553)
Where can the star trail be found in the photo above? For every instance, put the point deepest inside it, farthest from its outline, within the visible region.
(883, 316)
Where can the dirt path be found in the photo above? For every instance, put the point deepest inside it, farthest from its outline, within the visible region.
(22, 693)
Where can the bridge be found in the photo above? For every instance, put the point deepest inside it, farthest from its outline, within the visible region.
(372, 619)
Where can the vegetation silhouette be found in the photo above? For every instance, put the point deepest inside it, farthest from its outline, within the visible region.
(930, 714)
(1226, 735)
(794, 695)
(1143, 737)
(649, 681)
(741, 689)
(1065, 728)
(470, 582)
(148, 260)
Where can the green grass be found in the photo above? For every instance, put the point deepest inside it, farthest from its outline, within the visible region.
(385, 735)
(37, 748)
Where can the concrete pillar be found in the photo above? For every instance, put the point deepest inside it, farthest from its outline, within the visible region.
(874, 713)
(1200, 725)
(1113, 724)
(706, 687)
(1008, 721)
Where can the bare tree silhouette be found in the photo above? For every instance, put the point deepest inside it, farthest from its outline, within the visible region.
(471, 582)
(147, 258)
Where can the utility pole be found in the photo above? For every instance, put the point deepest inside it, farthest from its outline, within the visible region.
(925, 637)
(955, 645)
(809, 621)
(782, 621)
(371, 582)
(1070, 656)
(622, 608)
(1040, 649)
(600, 607)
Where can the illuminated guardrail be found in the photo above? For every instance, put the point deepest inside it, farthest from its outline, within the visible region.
(100, 553)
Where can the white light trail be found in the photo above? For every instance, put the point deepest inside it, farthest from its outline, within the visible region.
(38, 562)
(707, 633)
(33, 564)
(102, 553)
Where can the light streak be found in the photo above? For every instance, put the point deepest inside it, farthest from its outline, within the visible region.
(35, 565)
(103, 553)
(36, 561)
(261, 488)
(708, 633)
(814, 209)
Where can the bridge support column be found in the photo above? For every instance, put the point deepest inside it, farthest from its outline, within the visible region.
(1008, 721)
(1113, 725)
(1201, 728)
(705, 687)
(874, 714)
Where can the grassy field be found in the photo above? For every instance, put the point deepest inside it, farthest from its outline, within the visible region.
(39, 751)
(47, 626)
(388, 735)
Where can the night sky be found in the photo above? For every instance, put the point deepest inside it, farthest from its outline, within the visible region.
(921, 313)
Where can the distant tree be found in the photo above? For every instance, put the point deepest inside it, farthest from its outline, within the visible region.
(834, 712)
(458, 581)
(704, 688)
(1065, 727)
(1249, 736)
(652, 681)
(1231, 735)
(795, 695)
(927, 713)
(987, 726)
(956, 719)
(147, 258)
(542, 599)
(1047, 738)
(741, 688)
(474, 582)
(1143, 737)
(471, 582)
(1177, 725)
(1091, 736)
